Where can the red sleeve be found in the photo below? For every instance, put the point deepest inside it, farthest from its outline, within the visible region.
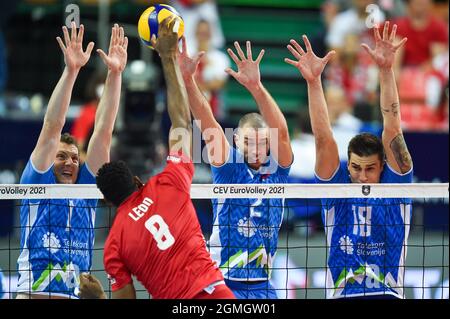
(401, 26)
(178, 172)
(440, 32)
(118, 274)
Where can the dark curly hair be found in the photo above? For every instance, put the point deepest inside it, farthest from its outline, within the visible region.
(116, 181)
(366, 144)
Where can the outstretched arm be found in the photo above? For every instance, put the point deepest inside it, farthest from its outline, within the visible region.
(397, 154)
(180, 136)
(311, 67)
(116, 60)
(249, 76)
(47, 145)
(216, 142)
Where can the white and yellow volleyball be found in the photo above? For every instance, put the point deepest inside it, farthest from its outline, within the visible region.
(150, 21)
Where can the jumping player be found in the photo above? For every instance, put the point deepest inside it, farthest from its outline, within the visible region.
(245, 231)
(367, 238)
(156, 235)
(57, 235)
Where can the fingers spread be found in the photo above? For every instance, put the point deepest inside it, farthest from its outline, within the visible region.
(239, 50)
(233, 56)
(294, 52)
(61, 44)
(260, 56)
(298, 47)
(80, 34)
(249, 51)
(66, 36)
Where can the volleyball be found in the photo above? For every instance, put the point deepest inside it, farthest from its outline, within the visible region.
(151, 18)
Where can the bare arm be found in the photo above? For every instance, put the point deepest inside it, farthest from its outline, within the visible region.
(180, 136)
(216, 142)
(397, 154)
(126, 292)
(116, 60)
(46, 147)
(311, 67)
(249, 76)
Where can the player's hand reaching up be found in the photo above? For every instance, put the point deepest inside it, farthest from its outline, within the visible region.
(248, 69)
(309, 64)
(72, 47)
(384, 53)
(116, 59)
(167, 42)
(188, 65)
(90, 287)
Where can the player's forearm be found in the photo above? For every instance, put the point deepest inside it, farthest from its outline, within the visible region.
(198, 104)
(58, 104)
(269, 109)
(177, 100)
(389, 100)
(318, 112)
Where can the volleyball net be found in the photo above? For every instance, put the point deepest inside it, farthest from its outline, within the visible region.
(321, 248)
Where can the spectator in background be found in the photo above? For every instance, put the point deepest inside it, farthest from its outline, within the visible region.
(211, 76)
(192, 12)
(422, 64)
(83, 125)
(356, 75)
(351, 21)
(352, 70)
(6, 10)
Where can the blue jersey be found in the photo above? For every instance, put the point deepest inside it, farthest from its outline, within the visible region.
(57, 237)
(245, 231)
(366, 240)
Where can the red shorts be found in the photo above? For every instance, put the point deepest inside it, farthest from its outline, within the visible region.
(220, 292)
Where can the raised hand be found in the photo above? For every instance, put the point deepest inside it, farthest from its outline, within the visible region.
(90, 287)
(384, 53)
(309, 65)
(74, 57)
(116, 60)
(188, 65)
(167, 42)
(248, 69)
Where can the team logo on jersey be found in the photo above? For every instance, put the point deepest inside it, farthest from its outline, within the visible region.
(366, 190)
(51, 242)
(346, 245)
(246, 227)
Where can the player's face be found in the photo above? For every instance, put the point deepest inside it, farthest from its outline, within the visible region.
(254, 143)
(66, 164)
(365, 169)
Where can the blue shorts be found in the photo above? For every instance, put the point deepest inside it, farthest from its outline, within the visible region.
(243, 290)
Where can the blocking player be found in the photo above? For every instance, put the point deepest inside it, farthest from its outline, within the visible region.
(57, 235)
(366, 237)
(245, 231)
(156, 235)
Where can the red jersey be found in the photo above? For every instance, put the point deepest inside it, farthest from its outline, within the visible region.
(156, 236)
(418, 47)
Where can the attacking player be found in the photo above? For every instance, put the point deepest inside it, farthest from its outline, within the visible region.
(156, 235)
(367, 238)
(57, 235)
(245, 231)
